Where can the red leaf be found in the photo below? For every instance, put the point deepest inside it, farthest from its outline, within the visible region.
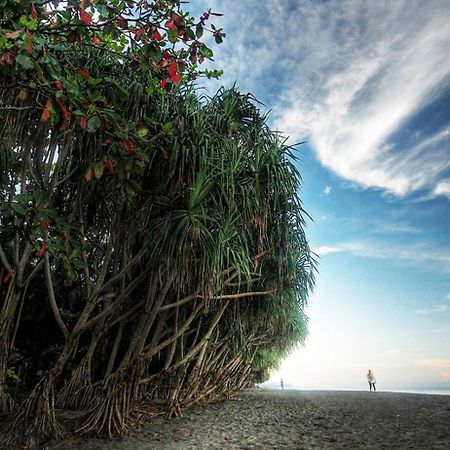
(175, 78)
(139, 32)
(41, 252)
(170, 24)
(156, 36)
(122, 23)
(6, 58)
(96, 41)
(33, 11)
(8, 276)
(163, 84)
(28, 44)
(83, 72)
(129, 147)
(85, 17)
(110, 166)
(89, 175)
(177, 19)
(83, 122)
(59, 85)
(13, 34)
(47, 110)
(66, 114)
(173, 68)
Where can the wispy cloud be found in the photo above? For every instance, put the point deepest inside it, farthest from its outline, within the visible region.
(417, 255)
(327, 190)
(435, 309)
(350, 75)
(398, 228)
(326, 250)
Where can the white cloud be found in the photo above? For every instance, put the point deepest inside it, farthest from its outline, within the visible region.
(327, 190)
(436, 309)
(420, 255)
(398, 228)
(325, 250)
(442, 188)
(353, 73)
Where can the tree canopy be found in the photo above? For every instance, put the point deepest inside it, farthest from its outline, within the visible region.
(152, 240)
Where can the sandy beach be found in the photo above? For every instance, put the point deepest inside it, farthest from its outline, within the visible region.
(275, 419)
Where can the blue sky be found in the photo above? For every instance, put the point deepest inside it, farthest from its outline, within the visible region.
(367, 84)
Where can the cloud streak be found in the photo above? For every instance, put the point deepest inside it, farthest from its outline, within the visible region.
(417, 255)
(349, 76)
(436, 309)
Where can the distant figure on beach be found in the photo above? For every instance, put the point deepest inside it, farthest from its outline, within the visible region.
(282, 384)
(371, 380)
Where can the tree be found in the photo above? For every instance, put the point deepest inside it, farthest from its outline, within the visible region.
(152, 240)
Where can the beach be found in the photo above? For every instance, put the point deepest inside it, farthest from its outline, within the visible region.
(275, 419)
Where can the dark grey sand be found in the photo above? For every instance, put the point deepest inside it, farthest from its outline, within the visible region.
(270, 419)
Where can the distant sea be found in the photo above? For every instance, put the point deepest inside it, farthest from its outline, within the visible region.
(415, 390)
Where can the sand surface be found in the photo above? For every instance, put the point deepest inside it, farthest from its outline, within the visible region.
(270, 419)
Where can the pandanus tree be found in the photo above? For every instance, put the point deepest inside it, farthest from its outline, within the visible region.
(152, 241)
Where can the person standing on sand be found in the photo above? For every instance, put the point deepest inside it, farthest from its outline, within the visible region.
(282, 384)
(371, 380)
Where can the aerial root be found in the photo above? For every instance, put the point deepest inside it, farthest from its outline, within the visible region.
(35, 420)
(76, 392)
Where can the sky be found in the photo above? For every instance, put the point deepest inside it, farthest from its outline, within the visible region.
(367, 85)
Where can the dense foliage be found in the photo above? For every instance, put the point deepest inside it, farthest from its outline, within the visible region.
(152, 244)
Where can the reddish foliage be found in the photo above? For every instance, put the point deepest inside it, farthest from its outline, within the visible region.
(47, 110)
(173, 68)
(33, 11)
(89, 174)
(83, 72)
(43, 224)
(175, 78)
(42, 251)
(8, 276)
(110, 166)
(85, 17)
(156, 36)
(83, 122)
(129, 146)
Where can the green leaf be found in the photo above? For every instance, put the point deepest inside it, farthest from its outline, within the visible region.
(19, 208)
(93, 124)
(206, 52)
(122, 93)
(24, 61)
(173, 36)
(23, 198)
(98, 169)
(167, 128)
(142, 131)
(199, 31)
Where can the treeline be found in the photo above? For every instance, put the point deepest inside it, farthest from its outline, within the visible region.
(152, 244)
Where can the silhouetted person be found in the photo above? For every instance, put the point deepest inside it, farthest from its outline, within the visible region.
(371, 380)
(282, 384)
